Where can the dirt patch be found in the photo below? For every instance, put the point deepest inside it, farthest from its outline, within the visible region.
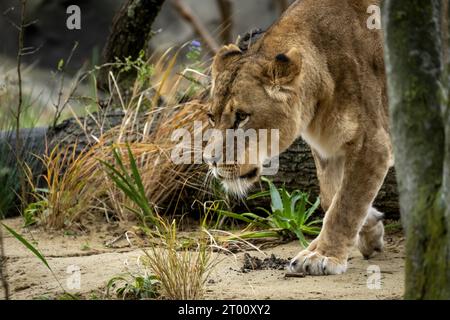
(99, 261)
(252, 263)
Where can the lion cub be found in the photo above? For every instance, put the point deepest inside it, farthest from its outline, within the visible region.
(317, 73)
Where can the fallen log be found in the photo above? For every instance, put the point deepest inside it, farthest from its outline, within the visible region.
(297, 169)
(296, 165)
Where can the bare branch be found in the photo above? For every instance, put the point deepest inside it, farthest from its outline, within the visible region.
(5, 14)
(26, 25)
(19, 75)
(59, 106)
(186, 12)
(30, 50)
(18, 113)
(226, 12)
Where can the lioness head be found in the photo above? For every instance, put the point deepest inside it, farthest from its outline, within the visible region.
(252, 91)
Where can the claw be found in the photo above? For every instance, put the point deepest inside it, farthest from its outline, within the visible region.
(315, 263)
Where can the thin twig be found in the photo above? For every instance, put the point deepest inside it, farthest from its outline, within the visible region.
(186, 12)
(19, 110)
(294, 275)
(11, 22)
(59, 108)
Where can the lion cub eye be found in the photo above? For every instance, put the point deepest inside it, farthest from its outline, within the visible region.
(241, 119)
(211, 119)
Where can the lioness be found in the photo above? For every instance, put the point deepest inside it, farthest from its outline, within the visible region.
(317, 73)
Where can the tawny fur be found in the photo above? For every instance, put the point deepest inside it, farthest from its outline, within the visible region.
(319, 73)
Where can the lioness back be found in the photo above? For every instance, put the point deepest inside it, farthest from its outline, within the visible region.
(352, 53)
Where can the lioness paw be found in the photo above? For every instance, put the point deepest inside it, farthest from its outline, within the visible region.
(314, 263)
(370, 241)
(370, 237)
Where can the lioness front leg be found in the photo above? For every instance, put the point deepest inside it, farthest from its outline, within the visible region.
(365, 168)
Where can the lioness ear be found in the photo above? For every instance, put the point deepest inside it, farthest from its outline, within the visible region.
(280, 74)
(284, 68)
(224, 57)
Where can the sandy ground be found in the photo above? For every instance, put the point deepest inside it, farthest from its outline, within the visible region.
(30, 279)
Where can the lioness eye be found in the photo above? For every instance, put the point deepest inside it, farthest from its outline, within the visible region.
(211, 119)
(241, 119)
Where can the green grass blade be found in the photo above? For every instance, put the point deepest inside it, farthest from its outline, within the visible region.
(28, 245)
(312, 209)
(233, 215)
(286, 200)
(294, 199)
(132, 187)
(276, 204)
(135, 172)
(310, 230)
(265, 211)
(301, 211)
(258, 195)
(253, 216)
(118, 159)
(317, 221)
(113, 172)
(128, 190)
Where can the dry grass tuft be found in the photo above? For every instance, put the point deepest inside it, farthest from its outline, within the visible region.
(182, 267)
(68, 191)
(78, 183)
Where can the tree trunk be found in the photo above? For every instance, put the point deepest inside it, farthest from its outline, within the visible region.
(130, 32)
(416, 70)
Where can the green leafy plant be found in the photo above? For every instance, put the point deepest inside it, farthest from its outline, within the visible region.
(134, 286)
(140, 65)
(291, 211)
(194, 53)
(195, 66)
(289, 215)
(129, 181)
(33, 211)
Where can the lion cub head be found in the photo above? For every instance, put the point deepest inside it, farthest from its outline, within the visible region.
(251, 92)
